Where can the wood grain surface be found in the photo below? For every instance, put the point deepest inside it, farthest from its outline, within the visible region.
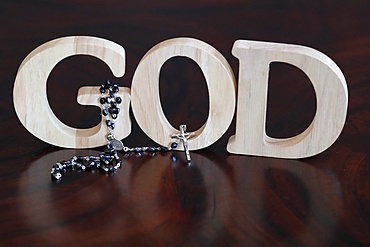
(221, 199)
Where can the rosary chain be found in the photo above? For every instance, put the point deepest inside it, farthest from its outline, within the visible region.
(109, 160)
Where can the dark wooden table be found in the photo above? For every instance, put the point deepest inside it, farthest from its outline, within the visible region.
(221, 199)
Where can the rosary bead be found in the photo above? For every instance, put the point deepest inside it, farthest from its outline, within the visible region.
(115, 111)
(108, 100)
(97, 163)
(65, 164)
(102, 100)
(56, 175)
(107, 84)
(110, 137)
(108, 122)
(102, 89)
(107, 159)
(104, 167)
(105, 112)
(78, 165)
(118, 100)
(115, 88)
(57, 166)
(89, 164)
(174, 145)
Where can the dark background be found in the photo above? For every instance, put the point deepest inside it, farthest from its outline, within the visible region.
(222, 199)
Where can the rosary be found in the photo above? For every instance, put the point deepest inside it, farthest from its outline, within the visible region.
(109, 160)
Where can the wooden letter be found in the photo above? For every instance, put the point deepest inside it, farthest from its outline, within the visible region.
(331, 96)
(30, 99)
(145, 100)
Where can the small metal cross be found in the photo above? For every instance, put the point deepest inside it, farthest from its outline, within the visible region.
(183, 137)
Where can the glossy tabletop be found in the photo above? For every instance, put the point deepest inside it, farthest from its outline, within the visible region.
(221, 199)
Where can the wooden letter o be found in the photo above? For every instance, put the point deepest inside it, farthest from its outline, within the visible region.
(145, 100)
(30, 98)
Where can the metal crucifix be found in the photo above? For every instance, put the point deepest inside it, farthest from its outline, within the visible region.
(183, 136)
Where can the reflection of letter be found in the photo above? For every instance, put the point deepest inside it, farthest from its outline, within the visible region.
(220, 80)
(292, 197)
(30, 98)
(331, 96)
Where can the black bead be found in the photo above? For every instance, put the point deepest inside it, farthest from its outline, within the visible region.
(107, 84)
(107, 158)
(57, 166)
(103, 167)
(78, 165)
(174, 145)
(118, 100)
(102, 89)
(90, 164)
(97, 162)
(102, 100)
(69, 164)
(114, 116)
(115, 88)
(115, 110)
(56, 175)
(105, 112)
(110, 124)
(93, 157)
